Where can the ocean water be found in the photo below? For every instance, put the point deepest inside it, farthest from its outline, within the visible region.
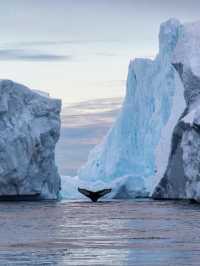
(139, 232)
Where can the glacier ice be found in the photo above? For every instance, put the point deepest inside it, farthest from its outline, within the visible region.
(29, 130)
(133, 156)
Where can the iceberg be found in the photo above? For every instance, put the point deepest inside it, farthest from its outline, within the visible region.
(29, 131)
(133, 156)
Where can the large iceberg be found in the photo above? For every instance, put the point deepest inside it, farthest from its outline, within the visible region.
(29, 130)
(133, 156)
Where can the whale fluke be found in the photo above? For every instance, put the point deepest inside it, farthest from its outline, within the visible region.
(94, 195)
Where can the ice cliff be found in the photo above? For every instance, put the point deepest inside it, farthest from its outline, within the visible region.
(29, 130)
(182, 177)
(133, 156)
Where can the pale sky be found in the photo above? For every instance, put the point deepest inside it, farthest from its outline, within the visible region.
(80, 49)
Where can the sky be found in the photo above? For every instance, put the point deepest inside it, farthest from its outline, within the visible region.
(79, 50)
(83, 126)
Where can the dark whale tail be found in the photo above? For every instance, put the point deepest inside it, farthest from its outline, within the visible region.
(94, 196)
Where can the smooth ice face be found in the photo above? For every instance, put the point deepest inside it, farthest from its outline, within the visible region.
(129, 152)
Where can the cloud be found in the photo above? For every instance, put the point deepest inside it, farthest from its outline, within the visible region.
(83, 126)
(23, 44)
(31, 55)
(107, 54)
(97, 105)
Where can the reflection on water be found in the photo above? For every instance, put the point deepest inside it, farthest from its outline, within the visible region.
(131, 233)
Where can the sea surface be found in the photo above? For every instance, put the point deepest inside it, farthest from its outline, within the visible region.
(140, 232)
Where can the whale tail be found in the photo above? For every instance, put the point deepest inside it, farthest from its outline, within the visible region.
(94, 196)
